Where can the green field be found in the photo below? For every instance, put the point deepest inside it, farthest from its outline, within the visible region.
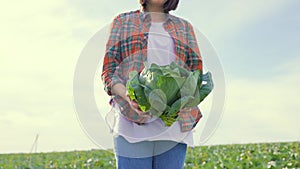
(262, 155)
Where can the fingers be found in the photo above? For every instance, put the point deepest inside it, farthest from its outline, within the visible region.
(135, 106)
(186, 109)
(143, 114)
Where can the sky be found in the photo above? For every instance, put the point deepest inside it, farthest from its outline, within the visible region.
(41, 42)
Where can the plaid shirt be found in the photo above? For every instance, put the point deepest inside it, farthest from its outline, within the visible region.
(126, 50)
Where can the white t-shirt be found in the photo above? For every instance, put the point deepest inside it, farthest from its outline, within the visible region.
(160, 50)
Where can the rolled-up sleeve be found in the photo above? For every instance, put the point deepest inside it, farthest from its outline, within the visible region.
(189, 118)
(194, 59)
(114, 67)
(112, 57)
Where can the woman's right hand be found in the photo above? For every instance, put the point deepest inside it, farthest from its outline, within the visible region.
(120, 89)
(135, 106)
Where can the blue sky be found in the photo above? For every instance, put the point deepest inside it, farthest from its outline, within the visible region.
(264, 44)
(256, 41)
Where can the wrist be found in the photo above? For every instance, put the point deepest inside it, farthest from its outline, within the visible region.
(124, 95)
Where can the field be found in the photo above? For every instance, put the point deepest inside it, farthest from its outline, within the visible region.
(262, 155)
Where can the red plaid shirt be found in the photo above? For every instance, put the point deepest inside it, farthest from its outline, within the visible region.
(126, 50)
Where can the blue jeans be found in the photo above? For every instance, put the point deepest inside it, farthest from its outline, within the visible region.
(149, 154)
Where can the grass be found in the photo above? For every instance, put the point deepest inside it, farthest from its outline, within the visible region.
(281, 155)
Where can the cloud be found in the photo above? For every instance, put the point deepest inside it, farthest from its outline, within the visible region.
(41, 44)
(262, 110)
(224, 18)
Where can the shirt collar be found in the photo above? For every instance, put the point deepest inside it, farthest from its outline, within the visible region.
(145, 16)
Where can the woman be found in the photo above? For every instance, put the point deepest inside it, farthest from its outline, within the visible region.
(150, 34)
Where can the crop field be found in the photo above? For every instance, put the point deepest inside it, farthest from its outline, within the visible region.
(261, 155)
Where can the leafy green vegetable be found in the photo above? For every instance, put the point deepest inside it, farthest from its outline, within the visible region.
(158, 100)
(130, 84)
(165, 90)
(136, 91)
(179, 104)
(190, 84)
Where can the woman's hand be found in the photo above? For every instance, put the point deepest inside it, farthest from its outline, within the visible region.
(135, 106)
(120, 89)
